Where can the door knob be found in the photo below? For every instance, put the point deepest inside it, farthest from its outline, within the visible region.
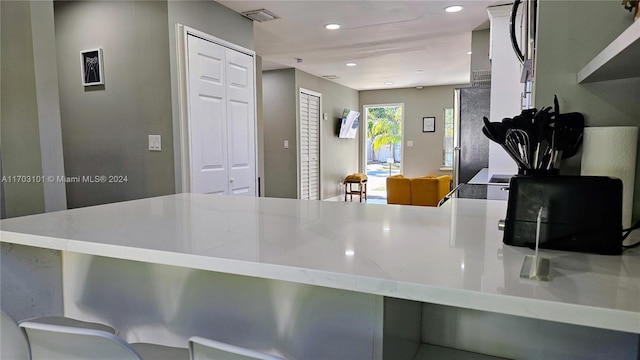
(231, 179)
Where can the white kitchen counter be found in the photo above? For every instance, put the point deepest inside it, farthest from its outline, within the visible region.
(451, 255)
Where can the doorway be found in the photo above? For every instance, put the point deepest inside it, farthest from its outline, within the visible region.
(382, 146)
(218, 117)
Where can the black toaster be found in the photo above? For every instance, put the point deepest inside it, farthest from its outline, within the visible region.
(581, 213)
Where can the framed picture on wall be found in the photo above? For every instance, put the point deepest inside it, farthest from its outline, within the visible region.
(429, 124)
(91, 67)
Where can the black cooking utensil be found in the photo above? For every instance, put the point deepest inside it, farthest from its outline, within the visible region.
(518, 142)
(514, 155)
(508, 122)
(521, 122)
(541, 130)
(497, 130)
(538, 139)
(529, 114)
(573, 149)
(524, 124)
(569, 129)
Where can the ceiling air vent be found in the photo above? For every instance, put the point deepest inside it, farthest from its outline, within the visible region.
(330, 77)
(261, 15)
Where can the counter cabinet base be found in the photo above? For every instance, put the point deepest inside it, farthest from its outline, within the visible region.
(167, 304)
(414, 329)
(31, 280)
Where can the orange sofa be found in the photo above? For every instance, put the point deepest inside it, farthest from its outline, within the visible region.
(422, 191)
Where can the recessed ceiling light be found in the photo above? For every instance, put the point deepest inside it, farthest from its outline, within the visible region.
(351, 64)
(419, 87)
(332, 26)
(453, 8)
(469, 52)
(388, 83)
(419, 71)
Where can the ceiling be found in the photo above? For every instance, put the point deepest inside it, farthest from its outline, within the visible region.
(407, 43)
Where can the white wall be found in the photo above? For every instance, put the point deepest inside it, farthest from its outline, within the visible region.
(279, 124)
(506, 89)
(338, 157)
(48, 99)
(259, 124)
(105, 128)
(425, 157)
(20, 137)
(570, 34)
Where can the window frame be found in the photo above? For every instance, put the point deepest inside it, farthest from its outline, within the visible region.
(448, 133)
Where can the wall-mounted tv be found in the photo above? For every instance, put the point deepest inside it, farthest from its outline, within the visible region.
(349, 124)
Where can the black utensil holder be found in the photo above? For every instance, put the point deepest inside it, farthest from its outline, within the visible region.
(582, 213)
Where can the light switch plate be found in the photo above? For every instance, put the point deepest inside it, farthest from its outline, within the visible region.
(286, 144)
(155, 143)
(409, 143)
(325, 116)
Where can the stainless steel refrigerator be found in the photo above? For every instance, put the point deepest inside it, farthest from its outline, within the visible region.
(471, 147)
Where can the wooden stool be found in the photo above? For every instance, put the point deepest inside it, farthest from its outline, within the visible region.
(361, 181)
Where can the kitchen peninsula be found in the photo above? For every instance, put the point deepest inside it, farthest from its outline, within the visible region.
(324, 280)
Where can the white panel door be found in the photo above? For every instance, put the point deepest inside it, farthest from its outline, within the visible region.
(309, 146)
(240, 122)
(207, 117)
(221, 119)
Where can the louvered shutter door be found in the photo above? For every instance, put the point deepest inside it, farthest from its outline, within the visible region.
(314, 147)
(309, 147)
(304, 146)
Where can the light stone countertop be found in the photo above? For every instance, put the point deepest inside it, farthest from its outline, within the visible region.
(452, 255)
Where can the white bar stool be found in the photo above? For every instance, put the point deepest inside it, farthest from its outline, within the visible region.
(58, 342)
(206, 349)
(15, 344)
